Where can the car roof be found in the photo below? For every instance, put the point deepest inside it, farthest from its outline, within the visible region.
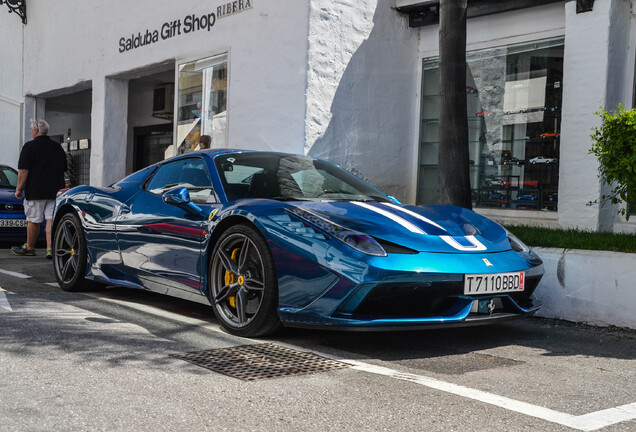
(212, 153)
(216, 152)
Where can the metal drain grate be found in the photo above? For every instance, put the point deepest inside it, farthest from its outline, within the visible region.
(262, 361)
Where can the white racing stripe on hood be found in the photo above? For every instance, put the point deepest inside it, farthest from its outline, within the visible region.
(415, 215)
(406, 224)
(476, 244)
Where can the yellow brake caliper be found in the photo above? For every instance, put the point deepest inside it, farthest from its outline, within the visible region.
(230, 278)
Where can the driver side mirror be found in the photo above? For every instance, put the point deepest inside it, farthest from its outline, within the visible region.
(180, 197)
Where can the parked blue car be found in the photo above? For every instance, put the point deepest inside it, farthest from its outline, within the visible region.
(274, 239)
(12, 218)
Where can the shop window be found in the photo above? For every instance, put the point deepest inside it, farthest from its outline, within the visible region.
(514, 120)
(202, 104)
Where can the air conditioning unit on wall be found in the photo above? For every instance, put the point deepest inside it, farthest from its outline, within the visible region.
(163, 102)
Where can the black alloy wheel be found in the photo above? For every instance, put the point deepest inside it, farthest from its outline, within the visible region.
(243, 284)
(70, 255)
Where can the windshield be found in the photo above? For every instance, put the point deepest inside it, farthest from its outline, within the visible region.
(8, 177)
(290, 177)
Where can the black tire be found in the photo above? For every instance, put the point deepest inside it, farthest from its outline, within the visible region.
(243, 284)
(70, 255)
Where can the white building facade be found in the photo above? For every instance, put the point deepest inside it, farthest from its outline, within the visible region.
(126, 84)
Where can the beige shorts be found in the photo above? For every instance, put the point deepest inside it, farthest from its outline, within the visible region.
(38, 210)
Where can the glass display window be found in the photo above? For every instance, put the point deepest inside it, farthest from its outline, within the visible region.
(202, 104)
(514, 98)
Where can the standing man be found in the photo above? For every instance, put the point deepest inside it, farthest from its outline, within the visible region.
(40, 176)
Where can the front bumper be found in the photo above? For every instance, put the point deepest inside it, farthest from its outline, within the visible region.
(400, 299)
(459, 315)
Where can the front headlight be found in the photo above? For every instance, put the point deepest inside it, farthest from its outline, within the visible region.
(516, 244)
(358, 241)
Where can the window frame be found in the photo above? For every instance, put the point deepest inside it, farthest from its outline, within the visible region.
(509, 46)
(179, 137)
(146, 185)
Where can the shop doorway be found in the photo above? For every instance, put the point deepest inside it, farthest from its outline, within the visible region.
(150, 116)
(69, 117)
(151, 145)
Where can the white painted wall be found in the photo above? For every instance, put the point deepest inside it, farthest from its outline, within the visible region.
(336, 83)
(11, 99)
(267, 47)
(362, 95)
(60, 122)
(506, 28)
(109, 127)
(593, 287)
(593, 77)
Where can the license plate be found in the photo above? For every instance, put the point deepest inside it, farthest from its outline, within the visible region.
(13, 222)
(493, 283)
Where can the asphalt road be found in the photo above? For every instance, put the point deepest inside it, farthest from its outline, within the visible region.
(111, 360)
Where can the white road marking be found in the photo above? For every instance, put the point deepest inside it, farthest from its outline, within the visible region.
(15, 274)
(53, 284)
(159, 312)
(601, 419)
(587, 422)
(78, 319)
(4, 303)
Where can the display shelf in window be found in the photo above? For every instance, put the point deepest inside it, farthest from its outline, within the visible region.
(428, 96)
(436, 120)
(437, 142)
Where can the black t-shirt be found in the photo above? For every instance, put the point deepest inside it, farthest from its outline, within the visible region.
(46, 162)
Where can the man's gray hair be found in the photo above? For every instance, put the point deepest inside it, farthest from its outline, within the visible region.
(41, 126)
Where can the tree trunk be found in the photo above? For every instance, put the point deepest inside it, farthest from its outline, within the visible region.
(453, 175)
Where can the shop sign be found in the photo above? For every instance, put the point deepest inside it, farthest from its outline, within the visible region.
(189, 24)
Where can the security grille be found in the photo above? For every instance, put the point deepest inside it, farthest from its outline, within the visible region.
(262, 361)
(79, 166)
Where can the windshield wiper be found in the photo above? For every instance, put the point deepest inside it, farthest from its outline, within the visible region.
(171, 185)
(349, 200)
(282, 198)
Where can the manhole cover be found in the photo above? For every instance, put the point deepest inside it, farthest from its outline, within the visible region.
(262, 361)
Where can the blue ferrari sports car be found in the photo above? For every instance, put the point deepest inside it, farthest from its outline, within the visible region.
(274, 239)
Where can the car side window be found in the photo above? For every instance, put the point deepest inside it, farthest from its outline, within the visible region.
(4, 181)
(8, 178)
(191, 173)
